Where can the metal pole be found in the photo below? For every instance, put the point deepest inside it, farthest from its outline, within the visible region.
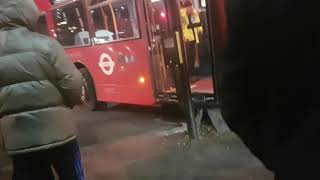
(185, 85)
(189, 109)
(180, 67)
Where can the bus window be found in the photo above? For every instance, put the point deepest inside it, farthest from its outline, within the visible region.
(71, 29)
(126, 18)
(160, 19)
(103, 23)
(114, 21)
(42, 26)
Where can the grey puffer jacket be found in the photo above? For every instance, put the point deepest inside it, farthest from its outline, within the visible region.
(38, 84)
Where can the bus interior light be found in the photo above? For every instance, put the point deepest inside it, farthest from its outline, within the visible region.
(163, 15)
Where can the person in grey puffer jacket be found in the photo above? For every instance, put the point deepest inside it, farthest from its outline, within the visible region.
(38, 86)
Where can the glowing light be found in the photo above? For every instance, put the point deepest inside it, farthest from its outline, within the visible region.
(163, 15)
(142, 80)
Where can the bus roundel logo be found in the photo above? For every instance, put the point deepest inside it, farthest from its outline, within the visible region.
(106, 64)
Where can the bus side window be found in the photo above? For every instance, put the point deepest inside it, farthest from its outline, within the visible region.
(114, 21)
(42, 25)
(126, 18)
(104, 26)
(71, 27)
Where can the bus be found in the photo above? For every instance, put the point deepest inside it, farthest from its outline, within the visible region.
(126, 51)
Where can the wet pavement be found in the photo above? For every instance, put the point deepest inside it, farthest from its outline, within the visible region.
(138, 143)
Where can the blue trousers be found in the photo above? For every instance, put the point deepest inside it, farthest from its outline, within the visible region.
(64, 159)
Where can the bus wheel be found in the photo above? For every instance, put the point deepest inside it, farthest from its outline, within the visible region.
(88, 95)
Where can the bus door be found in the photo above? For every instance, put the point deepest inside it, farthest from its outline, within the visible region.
(158, 25)
(181, 57)
(178, 34)
(164, 46)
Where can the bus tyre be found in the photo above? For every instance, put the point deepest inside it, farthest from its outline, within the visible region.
(88, 95)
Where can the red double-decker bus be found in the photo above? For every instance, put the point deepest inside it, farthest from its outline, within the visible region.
(120, 46)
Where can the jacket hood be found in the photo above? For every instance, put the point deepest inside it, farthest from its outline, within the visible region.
(15, 13)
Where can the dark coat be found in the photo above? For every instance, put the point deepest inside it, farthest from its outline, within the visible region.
(270, 93)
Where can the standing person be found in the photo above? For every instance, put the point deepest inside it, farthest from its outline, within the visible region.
(271, 93)
(38, 86)
(188, 16)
